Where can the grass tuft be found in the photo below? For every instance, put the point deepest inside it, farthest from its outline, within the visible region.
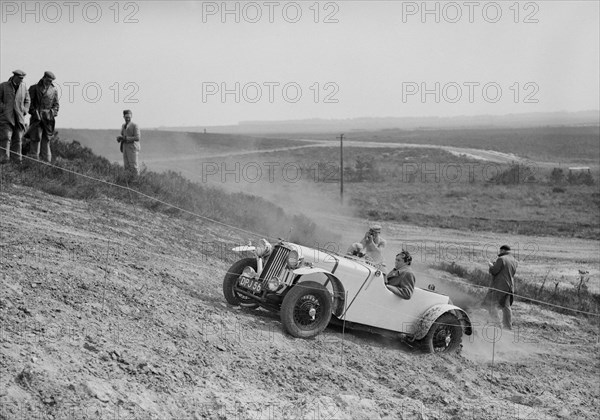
(80, 174)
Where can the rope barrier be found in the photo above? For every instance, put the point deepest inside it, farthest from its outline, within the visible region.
(127, 188)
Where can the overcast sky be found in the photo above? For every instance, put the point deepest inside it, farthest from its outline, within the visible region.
(210, 63)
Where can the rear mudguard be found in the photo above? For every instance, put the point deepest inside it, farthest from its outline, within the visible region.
(433, 313)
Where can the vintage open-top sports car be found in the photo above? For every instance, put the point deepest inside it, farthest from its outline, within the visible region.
(309, 287)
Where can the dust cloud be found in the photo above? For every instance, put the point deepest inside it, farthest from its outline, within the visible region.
(323, 206)
(489, 342)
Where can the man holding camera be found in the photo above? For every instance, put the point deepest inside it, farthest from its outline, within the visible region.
(371, 245)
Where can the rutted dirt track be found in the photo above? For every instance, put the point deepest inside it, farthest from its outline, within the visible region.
(112, 311)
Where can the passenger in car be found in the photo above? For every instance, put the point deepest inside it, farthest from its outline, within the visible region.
(401, 280)
(370, 246)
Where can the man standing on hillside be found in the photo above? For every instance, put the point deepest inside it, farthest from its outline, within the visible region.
(130, 143)
(43, 110)
(14, 104)
(500, 294)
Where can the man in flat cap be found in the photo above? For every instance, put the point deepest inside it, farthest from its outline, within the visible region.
(130, 143)
(14, 104)
(370, 246)
(43, 110)
(500, 294)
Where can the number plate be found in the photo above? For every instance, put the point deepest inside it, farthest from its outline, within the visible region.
(255, 286)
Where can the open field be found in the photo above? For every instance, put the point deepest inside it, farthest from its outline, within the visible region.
(166, 144)
(422, 186)
(558, 145)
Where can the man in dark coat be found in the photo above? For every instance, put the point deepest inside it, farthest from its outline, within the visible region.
(14, 104)
(43, 110)
(500, 294)
(401, 280)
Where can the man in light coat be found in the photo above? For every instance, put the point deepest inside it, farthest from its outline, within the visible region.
(371, 245)
(14, 104)
(130, 143)
(43, 110)
(500, 294)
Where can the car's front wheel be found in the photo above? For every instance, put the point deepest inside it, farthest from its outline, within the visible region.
(445, 335)
(306, 309)
(230, 281)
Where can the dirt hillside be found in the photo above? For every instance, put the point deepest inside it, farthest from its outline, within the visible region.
(112, 311)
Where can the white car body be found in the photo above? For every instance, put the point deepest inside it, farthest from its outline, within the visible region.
(357, 289)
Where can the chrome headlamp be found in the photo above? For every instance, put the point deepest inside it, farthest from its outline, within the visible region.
(293, 260)
(249, 272)
(273, 284)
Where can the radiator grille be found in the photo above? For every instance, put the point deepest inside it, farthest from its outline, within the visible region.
(276, 262)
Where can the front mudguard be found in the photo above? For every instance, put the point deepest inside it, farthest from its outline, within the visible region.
(433, 313)
(339, 294)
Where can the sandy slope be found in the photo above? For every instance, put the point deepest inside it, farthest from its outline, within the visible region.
(112, 311)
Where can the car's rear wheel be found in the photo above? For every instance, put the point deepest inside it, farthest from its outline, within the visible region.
(445, 335)
(230, 281)
(306, 309)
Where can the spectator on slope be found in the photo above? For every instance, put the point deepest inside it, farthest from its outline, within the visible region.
(14, 104)
(130, 143)
(401, 280)
(371, 245)
(500, 294)
(43, 111)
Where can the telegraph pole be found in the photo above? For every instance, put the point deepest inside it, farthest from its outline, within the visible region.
(341, 137)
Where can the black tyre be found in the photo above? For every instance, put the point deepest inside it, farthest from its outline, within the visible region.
(445, 335)
(306, 309)
(230, 280)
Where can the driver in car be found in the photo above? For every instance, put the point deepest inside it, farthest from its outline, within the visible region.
(401, 280)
